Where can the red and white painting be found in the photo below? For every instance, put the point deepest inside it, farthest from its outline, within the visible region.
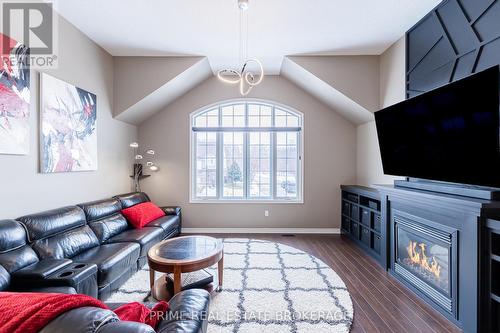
(68, 130)
(14, 97)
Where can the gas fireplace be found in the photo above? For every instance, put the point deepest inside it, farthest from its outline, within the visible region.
(424, 256)
(433, 245)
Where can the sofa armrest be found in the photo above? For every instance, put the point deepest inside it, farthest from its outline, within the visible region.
(188, 312)
(126, 327)
(171, 210)
(57, 273)
(57, 290)
(41, 270)
(83, 319)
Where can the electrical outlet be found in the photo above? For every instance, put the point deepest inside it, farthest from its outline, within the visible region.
(266, 213)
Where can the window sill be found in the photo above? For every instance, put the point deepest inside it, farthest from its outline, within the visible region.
(245, 201)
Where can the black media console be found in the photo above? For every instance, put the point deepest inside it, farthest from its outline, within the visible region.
(491, 273)
(362, 219)
(443, 247)
(471, 191)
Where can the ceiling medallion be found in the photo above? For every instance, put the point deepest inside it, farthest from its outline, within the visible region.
(246, 79)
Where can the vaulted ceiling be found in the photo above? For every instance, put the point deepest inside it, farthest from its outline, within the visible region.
(164, 48)
(277, 28)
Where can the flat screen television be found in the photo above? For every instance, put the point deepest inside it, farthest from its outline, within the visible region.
(449, 134)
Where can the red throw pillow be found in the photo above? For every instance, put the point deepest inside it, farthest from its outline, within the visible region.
(143, 213)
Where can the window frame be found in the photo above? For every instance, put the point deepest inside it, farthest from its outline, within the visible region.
(299, 199)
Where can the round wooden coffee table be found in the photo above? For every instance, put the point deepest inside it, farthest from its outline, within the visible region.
(183, 255)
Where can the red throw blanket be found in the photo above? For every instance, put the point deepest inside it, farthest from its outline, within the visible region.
(139, 313)
(30, 312)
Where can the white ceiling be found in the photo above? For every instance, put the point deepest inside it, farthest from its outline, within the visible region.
(277, 27)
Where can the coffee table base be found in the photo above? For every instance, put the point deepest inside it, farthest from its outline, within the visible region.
(177, 278)
(162, 290)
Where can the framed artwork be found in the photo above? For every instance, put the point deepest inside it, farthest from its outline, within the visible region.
(14, 97)
(68, 129)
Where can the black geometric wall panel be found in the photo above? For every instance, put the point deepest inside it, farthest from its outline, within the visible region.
(456, 39)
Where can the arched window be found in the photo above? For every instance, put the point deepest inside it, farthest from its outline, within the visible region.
(246, 150)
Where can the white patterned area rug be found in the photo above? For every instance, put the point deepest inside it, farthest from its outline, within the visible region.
(268, 288)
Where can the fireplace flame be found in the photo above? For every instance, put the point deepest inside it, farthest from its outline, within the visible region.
(416, 254)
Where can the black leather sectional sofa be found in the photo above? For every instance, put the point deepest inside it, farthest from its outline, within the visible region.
(186, 315)
(89, 249)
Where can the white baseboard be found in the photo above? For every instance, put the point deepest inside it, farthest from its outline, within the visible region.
(324, 231)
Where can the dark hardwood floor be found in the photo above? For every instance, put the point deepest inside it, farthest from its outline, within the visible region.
(381, 303)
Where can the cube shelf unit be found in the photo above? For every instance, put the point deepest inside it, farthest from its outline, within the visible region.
(491, 273)
(361, 218)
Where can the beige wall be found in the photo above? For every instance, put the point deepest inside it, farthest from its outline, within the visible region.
(392, 74)
(24, 189)
(329, 160)
(137, 77)
(357, 77)
(336, 152)
(392, 90)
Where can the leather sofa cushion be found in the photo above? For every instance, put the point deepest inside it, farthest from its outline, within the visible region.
(168, 223)
(14, 252)
(12, 235)
(183, 325)
(145, 237)
(111, 259)
(67, 244)
(128, 327)
(81, 320)
(171, 210)
(97, 210)
(109, 226)
(4, 279)
(91, 319)
(16, 259)
(56, 290)
(52, 222)
(187, 312)
(105, 292)
(41, 269)
(131, 199)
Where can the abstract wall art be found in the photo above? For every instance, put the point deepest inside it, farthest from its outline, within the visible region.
(68, 117)
(14, 97)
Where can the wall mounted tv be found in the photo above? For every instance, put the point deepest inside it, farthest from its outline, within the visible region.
(449, 134)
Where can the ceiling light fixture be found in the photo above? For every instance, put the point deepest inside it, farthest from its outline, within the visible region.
(243, 4)
(246, 79)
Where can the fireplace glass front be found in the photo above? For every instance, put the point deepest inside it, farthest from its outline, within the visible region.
(425, 257)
